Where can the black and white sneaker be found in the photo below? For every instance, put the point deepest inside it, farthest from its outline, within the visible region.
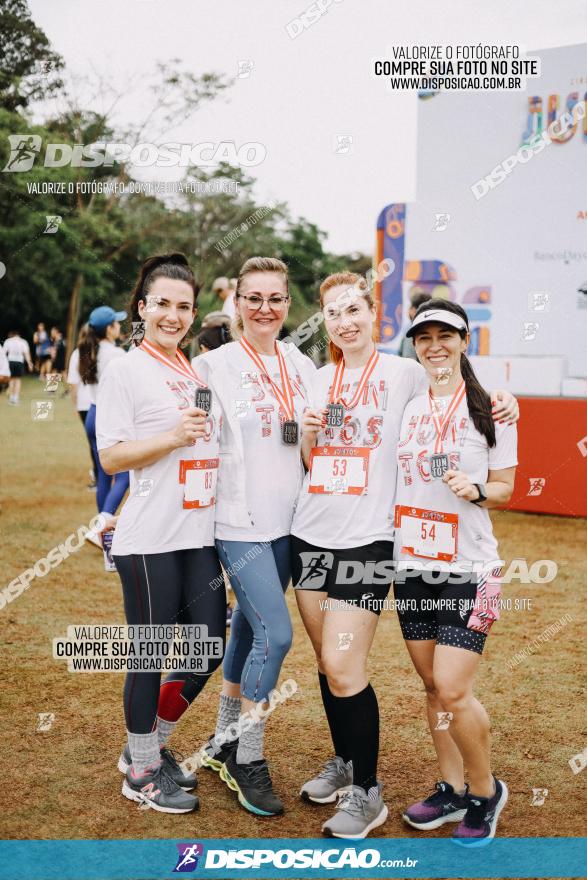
(156, 788)
(170, 761)
(252, 784)
(213, 756)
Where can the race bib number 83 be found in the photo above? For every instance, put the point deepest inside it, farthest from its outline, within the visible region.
(198, 477)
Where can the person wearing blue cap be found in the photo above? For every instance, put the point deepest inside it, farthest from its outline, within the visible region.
(95, 352)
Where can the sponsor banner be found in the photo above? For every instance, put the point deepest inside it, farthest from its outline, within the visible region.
(300, 857)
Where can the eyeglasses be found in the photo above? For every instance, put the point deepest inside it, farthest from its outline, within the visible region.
(254, 301)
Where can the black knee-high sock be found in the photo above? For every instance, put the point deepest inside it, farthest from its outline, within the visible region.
(358, 717)
(336, 730)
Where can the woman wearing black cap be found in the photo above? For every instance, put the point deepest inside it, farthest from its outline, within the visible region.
(454, 463)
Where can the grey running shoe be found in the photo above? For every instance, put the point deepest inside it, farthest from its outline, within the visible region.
(156, 788)
(335, 778)
(170, 762)
(357, 813)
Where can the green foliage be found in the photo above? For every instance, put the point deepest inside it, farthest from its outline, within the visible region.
(94, 256)
(29, 69)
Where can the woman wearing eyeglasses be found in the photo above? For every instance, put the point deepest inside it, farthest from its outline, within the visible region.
(261, 385)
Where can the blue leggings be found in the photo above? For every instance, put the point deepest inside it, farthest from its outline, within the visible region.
(260, 632)
(109, 490)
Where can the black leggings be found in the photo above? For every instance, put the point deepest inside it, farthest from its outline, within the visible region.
(186, 587)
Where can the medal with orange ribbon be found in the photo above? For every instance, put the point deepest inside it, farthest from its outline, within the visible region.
(439, 463)
(337, 405)
(284, 395)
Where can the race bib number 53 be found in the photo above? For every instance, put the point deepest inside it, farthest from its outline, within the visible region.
(198, 477)
(339, 470)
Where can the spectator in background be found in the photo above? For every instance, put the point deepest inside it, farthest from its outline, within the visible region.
(58, 352)
(42, 350)
(221, 287)
(4, 371)
(417, 297)
(17, 352)
(215, 331)
(81, 396)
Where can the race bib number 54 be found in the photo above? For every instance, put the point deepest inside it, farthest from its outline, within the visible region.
(427, 533)
(198, 477)
(339, 470)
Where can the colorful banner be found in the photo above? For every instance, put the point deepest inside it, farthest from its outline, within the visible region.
(301, 857)
(388, 292)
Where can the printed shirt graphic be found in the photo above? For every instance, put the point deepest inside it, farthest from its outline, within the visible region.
(343, 521)
(273, 468)
(140, 397)
(467, 451)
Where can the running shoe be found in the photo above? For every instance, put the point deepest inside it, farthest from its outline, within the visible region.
(252, 784)
(156, 788)
(478, 826)
(357, 813)
(213, 757)
(170, 762)
(229, 613)
(335, 778)
(444, 805)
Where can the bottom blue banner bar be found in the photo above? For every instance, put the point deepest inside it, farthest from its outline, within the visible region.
(537, 857)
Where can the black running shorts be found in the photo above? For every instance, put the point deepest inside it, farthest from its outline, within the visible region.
(453, 609)
(360, 576)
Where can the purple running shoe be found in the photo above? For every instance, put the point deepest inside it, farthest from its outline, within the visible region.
(444, 805)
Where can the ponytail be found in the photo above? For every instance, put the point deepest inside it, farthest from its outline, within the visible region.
(88, 346)
(478, 402)
(173, 265)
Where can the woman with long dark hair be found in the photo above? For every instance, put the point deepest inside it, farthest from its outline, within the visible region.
(157, 419)
(96, 349)
(456, 463)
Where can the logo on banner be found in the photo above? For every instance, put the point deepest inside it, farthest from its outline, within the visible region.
(187, 860)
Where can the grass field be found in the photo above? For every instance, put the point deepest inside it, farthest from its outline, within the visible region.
(66, 780)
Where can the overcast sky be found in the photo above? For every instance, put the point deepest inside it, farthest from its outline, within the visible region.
(304, 93)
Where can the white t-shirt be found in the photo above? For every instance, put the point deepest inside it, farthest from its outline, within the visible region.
(469, 452)
(4, 365)
(16, 349)
(341, 521)
(84, 398)
(273, 468)
(139, 397)
(106, 352)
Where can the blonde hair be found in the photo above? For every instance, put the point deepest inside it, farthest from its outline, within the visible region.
(255, 264)
(350, 279)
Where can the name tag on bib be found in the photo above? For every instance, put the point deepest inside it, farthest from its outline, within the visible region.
(427, 533)
(339, 471)
(198, 477)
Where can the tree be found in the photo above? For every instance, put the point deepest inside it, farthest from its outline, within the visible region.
(29, 68)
